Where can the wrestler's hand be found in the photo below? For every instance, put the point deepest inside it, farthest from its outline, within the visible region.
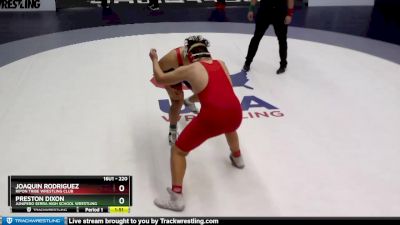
(250, 16)
(288, 20)
(153, 54)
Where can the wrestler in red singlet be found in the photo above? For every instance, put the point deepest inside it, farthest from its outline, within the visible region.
(220, 113)
(178, 86)
(179, 57)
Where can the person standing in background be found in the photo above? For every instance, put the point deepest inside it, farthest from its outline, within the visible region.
(279, 13)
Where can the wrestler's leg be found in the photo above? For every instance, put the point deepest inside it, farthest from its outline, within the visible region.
(175, 200)
(176, 97)
(178, 168)
(194, 98)
(195, 133)
(233, 141)
(189, 102)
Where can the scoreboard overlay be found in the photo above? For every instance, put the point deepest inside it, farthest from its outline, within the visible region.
(75, 194)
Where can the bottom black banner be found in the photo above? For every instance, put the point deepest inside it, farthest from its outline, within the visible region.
(208, 220)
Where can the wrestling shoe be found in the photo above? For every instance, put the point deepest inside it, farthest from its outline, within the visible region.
(175, 201)
(172, 136)
(246, 67)
(191, 105)
(237, 161)
(281, 70)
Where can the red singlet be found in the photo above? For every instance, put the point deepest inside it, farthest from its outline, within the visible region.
(178, 86)
(220, 112)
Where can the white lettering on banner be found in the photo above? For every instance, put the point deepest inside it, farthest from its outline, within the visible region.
(27, 5)
(118, 1)
(198, 1)
(174, 1)
(20, 4)
(143, 1)
(341, 3)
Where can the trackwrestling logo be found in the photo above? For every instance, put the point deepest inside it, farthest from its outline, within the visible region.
(248, 102)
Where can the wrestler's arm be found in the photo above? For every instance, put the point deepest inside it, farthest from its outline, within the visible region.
(172, 77)
(168, 61)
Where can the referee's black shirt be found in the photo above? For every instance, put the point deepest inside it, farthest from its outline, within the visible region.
(277, 7)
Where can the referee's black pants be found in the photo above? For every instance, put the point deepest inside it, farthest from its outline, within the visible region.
(262, 23)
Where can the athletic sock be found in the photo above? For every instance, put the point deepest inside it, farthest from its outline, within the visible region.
(236, 154)
(172, 126)
(177, 189)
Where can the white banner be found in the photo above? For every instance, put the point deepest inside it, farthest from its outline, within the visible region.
(27, 5)
(341, 2)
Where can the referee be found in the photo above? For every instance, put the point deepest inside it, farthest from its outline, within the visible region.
(279, 13)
